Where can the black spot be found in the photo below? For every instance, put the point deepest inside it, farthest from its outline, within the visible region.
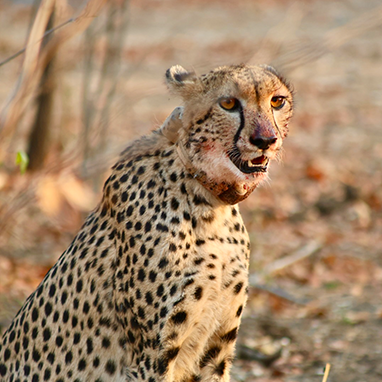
(162, 365)
(198, 293)
(86, 308)
(105, 343)
(151, 184)
(46, 334)
(220, 368)
(124, 178)
(147, 227)
(124, 196)
(64, 297)
(34, 314)
(79, 286)
(198, 260)
(35, 332)
(210, 355)
(59, 341)
(74, 321)
(130, 336)
(3, 369)
(141, 313)
(48, 309)
(239, 311)
(25, 342)
(81, 364)
(173, 290)
(110, 367)
(36, 355)
(172, 247)
(174, 204)
(173, 177)
(76, 338)
(163, 312)
(17, 347)
(68, 357)
(175, 220)
(26, 327)
(161, 227)
(237, 288)
(89, 346)
(65, 316)
(129, 210)
(172, 353)
(230, 336)
(179, 317)
(47, 374)
(163, 263)
(189, 282)
(141, 274)
(7, 355)
(122, 342)
(152, 276)
(52, 290)
(149, 298)
(150, 252)
(96, 362)
(27, 370)
(200, 200)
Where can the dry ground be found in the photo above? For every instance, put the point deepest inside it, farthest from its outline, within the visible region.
(324, 201)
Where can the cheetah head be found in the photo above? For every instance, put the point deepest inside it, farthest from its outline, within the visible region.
(233, 124)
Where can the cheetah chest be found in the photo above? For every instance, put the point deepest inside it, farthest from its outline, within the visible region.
(206, 313)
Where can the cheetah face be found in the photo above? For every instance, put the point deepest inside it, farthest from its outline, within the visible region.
(235, 119)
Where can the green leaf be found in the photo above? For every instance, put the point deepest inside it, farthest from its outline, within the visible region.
(22, 160)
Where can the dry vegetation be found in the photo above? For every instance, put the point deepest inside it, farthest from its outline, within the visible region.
(315, 227)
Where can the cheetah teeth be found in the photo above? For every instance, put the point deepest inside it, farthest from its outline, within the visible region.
(251, 164)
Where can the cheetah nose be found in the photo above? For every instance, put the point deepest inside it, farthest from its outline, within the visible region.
(262, 142)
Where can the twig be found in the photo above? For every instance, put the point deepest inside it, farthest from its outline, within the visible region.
(277, 292)
(36, 61)
(326, 375)
(307, 250)
(48, 32)
(313, 50)
(258, 279)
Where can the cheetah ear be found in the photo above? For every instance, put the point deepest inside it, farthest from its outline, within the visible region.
(180, 81)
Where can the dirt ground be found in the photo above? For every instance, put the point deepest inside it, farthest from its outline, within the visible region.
(315, 227)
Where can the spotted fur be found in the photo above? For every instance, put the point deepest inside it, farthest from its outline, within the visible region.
(153, 286)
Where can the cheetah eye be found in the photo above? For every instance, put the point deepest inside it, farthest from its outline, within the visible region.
(230, 104)
(277, 102)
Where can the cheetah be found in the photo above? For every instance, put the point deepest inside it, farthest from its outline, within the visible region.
(153, 286)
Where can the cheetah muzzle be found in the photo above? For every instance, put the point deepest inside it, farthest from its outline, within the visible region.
(153, 286)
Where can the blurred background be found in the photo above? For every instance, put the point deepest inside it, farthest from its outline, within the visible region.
(73, 100)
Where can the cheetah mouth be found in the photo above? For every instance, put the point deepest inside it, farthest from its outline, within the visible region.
(259, 164)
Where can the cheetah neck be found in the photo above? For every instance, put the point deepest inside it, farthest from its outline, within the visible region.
(227, 193)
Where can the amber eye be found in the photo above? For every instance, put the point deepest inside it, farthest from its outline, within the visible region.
(229, 104)
(277, 102)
